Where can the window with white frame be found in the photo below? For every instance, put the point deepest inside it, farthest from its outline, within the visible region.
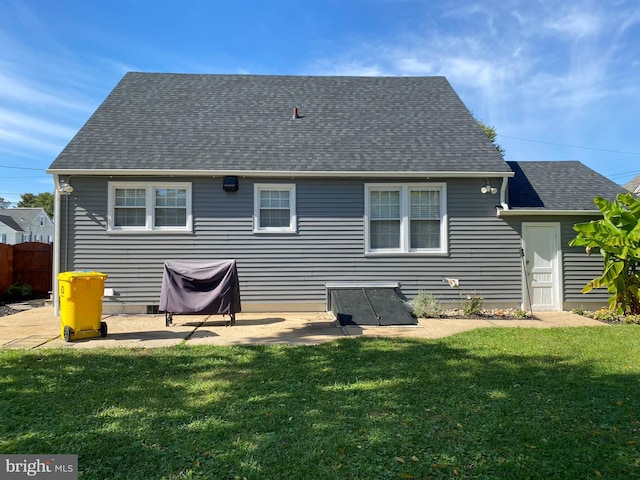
(164, 207)
(406, 218)
(274, 208)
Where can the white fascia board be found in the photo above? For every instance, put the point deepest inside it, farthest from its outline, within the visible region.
(273, 173)
(546, 213)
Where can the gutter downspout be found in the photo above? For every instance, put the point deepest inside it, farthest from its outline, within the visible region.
(56, 244)
(503, 193)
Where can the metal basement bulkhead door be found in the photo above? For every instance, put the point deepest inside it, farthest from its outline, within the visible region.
(370, 306)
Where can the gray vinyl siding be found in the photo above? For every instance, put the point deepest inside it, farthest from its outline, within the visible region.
(580, 268)
(483, 250)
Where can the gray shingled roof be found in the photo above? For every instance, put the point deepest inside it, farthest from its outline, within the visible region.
(18, 218)
(156, 121)
(634, 184)
(567, 185)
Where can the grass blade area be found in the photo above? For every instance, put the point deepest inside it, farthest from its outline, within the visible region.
(494, 403)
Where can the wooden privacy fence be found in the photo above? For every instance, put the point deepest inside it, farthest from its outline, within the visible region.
(30, 262)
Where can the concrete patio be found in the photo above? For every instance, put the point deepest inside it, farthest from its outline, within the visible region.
(39, 328)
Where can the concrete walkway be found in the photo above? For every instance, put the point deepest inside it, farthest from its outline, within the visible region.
(39, 328)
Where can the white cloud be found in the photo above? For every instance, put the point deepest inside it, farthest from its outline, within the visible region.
(10, 119)
(349, 68)
(414, 66)
(29, 141)
(19, 89)
(575, 24)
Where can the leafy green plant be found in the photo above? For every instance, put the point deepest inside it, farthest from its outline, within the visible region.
(426, 305)
(617, 236)
(473, 304)
(17, 291)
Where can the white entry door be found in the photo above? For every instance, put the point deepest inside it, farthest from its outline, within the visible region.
(542, 275)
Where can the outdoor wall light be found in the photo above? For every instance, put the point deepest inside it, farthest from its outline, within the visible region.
(65, 188)
(489, 189)
(230, 183)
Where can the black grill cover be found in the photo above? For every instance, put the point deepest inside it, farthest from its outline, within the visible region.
(210, 288)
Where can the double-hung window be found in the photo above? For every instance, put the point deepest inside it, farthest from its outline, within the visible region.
(164, 207)
(274, 208)
(170, 209)
(404, 219)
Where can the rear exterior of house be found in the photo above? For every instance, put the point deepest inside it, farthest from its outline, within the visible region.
(367, 181)
(289, 271)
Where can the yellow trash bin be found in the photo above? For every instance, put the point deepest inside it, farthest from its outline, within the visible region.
(80, 296)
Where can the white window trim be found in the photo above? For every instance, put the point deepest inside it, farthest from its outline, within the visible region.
(405, 189)
(257, 188)
(149, 227)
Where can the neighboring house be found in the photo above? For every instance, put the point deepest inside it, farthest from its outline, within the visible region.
(19, 225)
(313, 183)
(634, 185)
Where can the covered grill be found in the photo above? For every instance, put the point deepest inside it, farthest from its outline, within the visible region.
(200, 288)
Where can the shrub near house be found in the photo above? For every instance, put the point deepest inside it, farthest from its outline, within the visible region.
(617, 236)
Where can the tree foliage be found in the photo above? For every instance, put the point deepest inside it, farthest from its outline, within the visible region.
(491, 134)
(617, 235)
(4, 203)
(41, 200)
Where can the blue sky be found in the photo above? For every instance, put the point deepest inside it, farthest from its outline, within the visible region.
(558, 80)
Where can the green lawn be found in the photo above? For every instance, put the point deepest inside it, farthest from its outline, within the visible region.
(494, 403)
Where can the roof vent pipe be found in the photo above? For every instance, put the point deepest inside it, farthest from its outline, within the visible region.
(295, 113)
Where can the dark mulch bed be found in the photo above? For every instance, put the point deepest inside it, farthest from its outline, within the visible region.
(489, 314)
(6, 309)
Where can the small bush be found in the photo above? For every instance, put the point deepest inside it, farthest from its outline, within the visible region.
(426, 305)
(521, 314)
(473, 304)
(635, 319)
(17, 291)
(606, 315)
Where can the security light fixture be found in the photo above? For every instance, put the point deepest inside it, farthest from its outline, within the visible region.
(489, 189)
(65, 188)
(230, 183)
